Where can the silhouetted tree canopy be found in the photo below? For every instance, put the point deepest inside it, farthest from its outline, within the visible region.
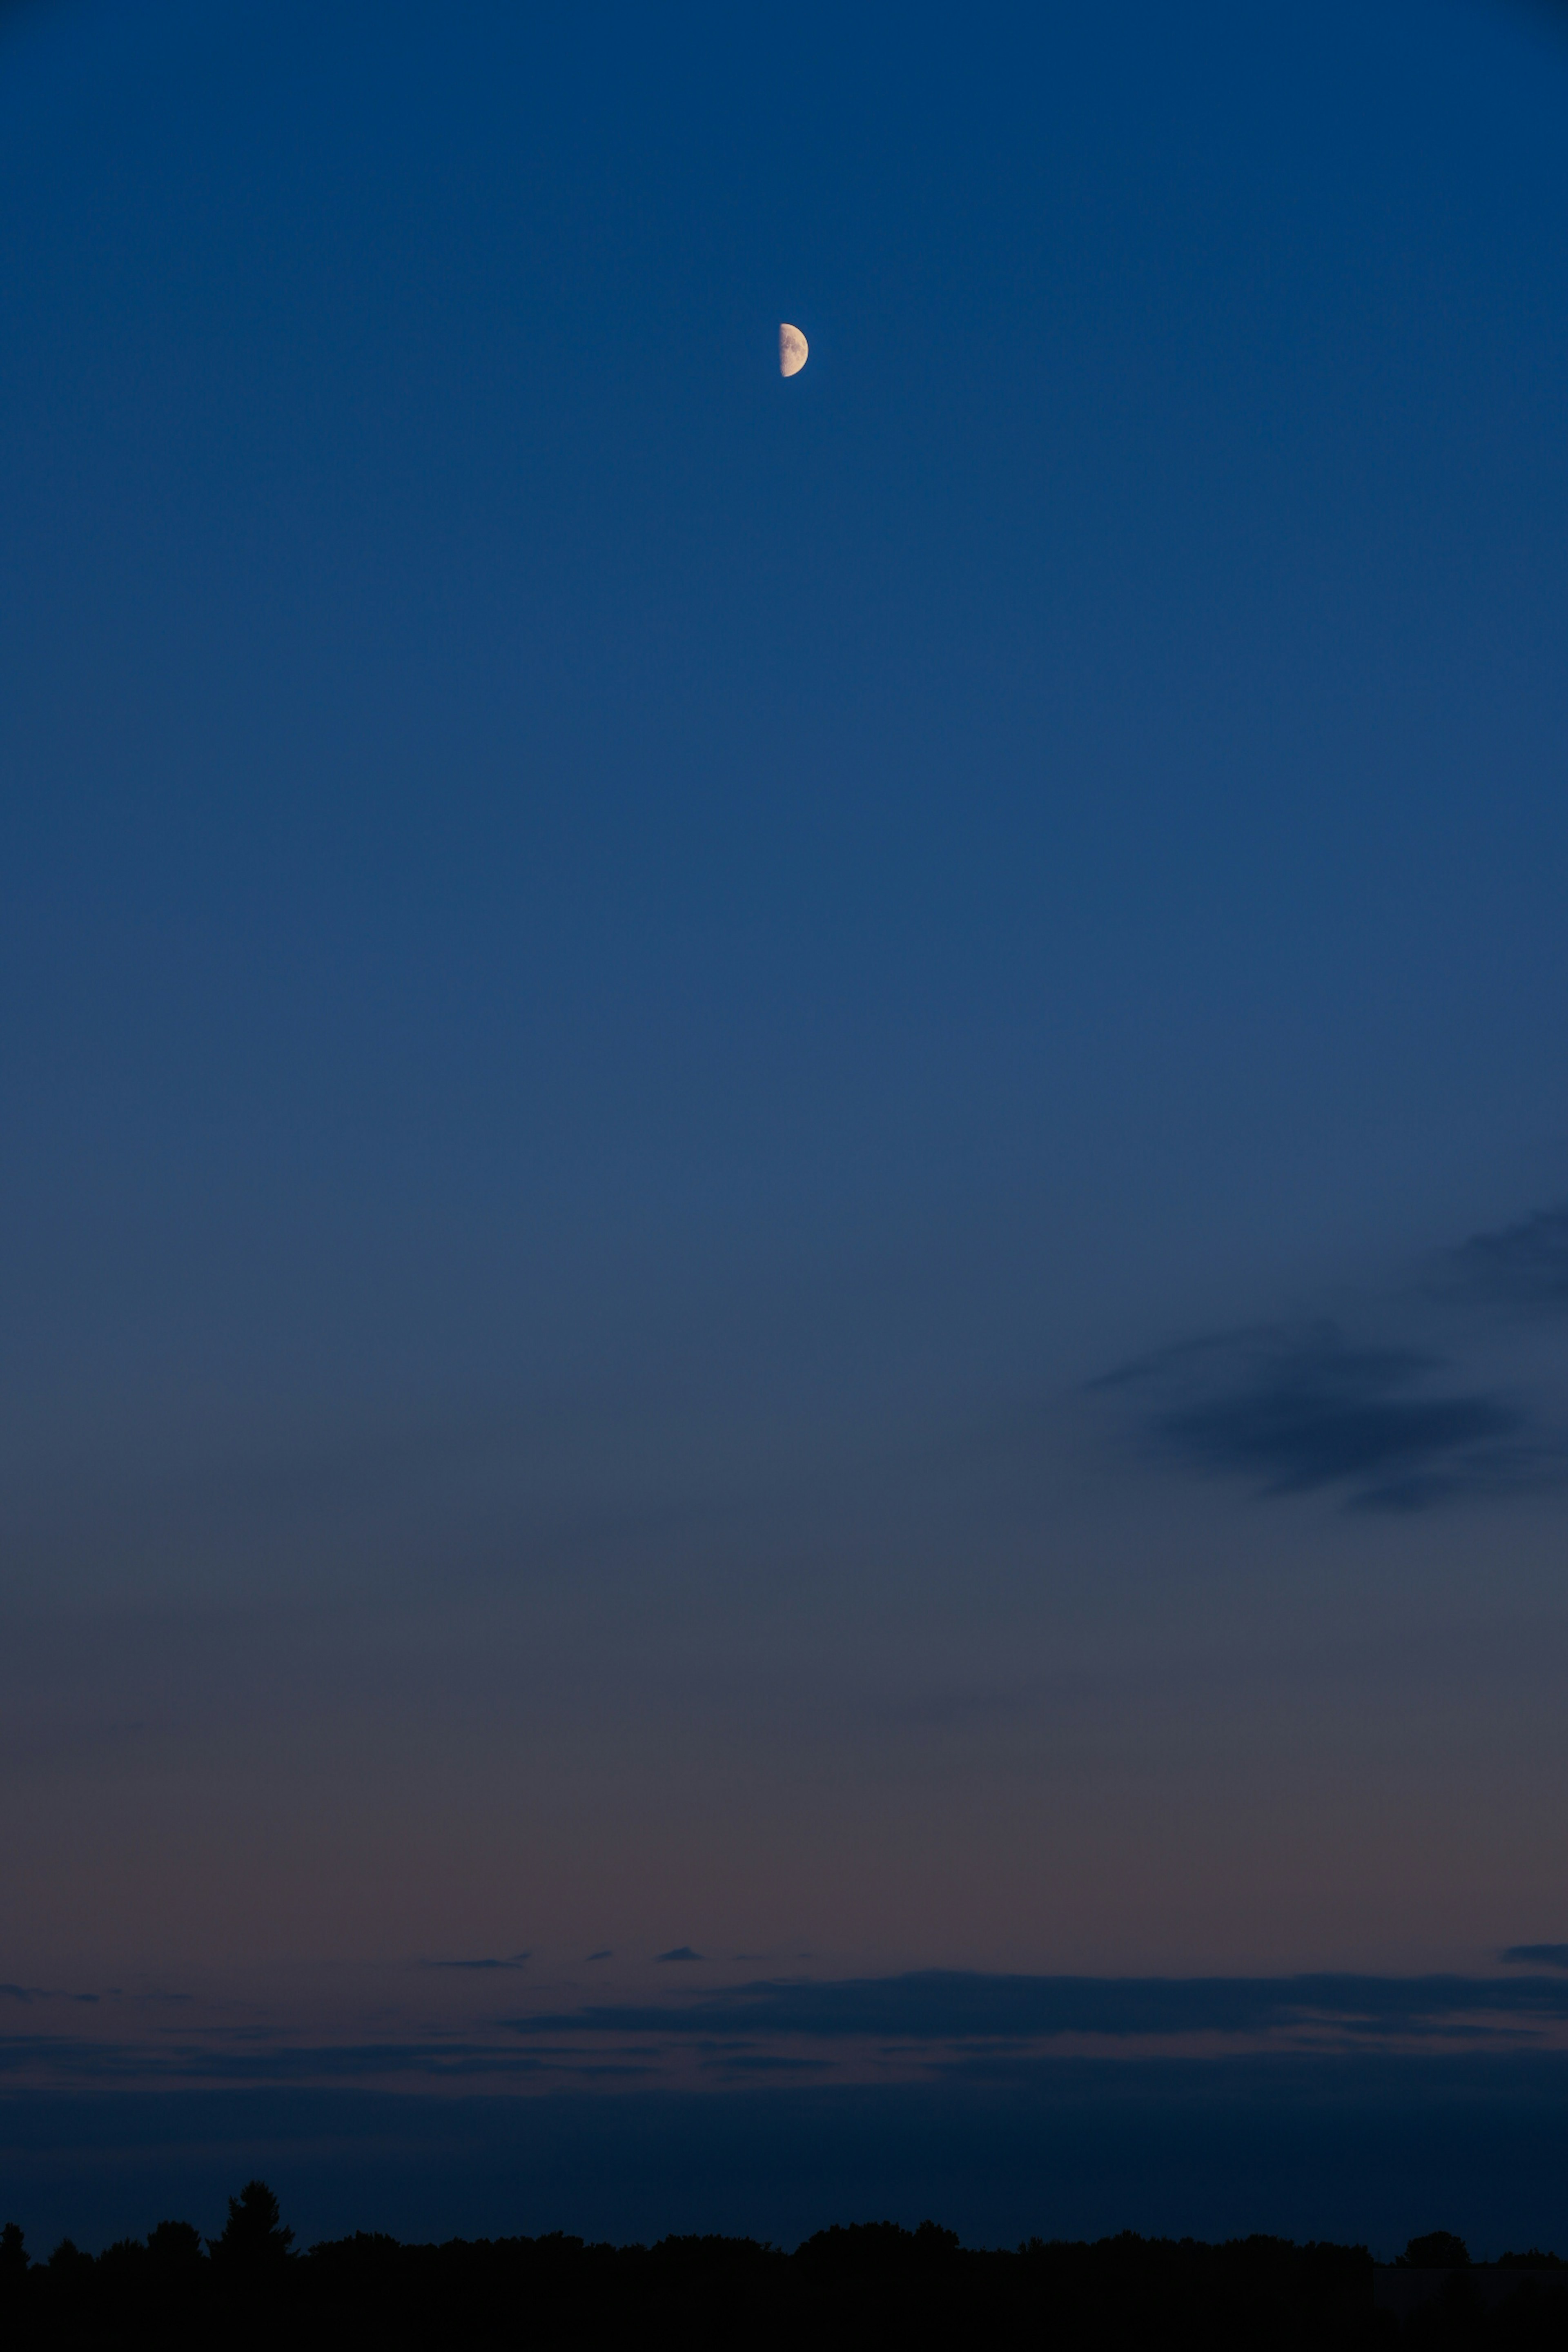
(1439, 2250)
(176, 2245)
(867, 2284)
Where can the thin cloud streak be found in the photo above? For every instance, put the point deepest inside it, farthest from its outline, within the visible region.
(515, 1960)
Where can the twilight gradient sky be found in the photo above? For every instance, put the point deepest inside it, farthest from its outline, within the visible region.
(782, 1166)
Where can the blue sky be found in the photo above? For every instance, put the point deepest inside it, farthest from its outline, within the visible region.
(782, 1163)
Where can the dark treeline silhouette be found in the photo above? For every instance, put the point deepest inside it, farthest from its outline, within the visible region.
(874, 2284)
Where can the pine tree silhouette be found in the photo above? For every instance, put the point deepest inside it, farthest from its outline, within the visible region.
(254, 2243)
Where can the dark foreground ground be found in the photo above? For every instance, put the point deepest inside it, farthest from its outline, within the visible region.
(875, 2284)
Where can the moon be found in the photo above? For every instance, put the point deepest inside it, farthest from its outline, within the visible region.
(793, 349)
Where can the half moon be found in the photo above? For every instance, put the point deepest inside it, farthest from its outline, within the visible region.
(793, 348)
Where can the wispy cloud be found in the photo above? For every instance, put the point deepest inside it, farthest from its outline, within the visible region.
(682, 1952)
(1538, 1956)
(1522, 1264)
(1292, 1409)
(1431, 1392)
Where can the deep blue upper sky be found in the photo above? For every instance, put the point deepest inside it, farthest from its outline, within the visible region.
(623, 980)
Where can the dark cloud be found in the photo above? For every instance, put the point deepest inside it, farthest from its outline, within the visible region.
(682, 1952)
(1525, 1265)
(949, 2005)
(934, 2023)
(938, 2023)
(1538, 1956)
(1294, 1409)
